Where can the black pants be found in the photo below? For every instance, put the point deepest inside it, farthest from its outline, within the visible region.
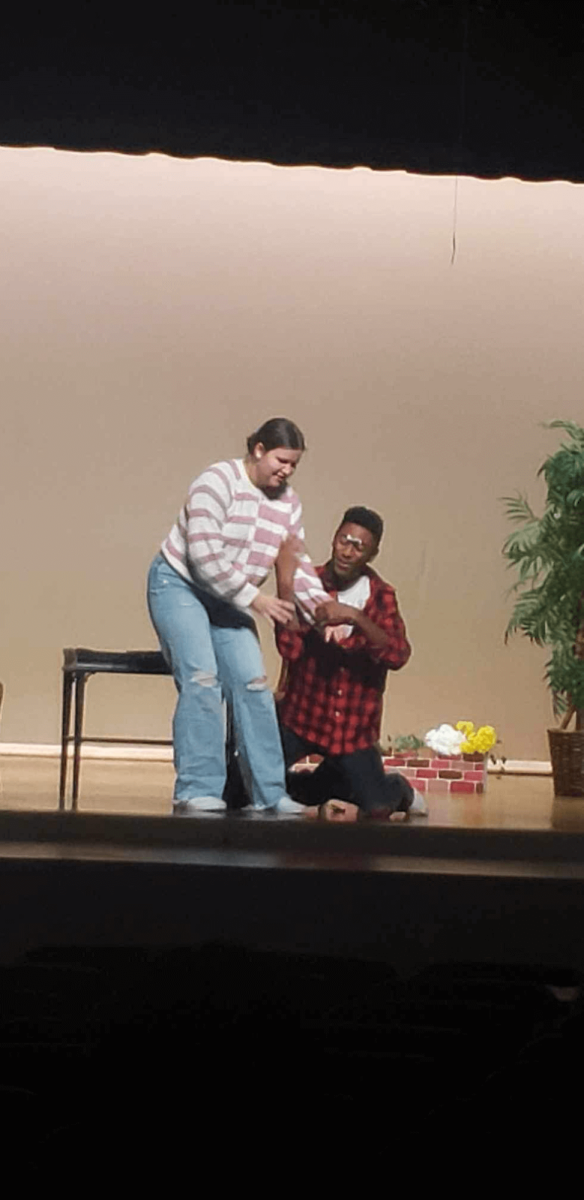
(358, 778)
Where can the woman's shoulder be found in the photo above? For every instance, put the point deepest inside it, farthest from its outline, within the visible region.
(225, 473)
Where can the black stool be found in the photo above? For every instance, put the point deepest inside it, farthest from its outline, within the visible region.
(78, 665)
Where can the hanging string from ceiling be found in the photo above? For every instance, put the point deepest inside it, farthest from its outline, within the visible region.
(460, 153)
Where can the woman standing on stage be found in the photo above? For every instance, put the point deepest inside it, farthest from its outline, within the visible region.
(203, 595)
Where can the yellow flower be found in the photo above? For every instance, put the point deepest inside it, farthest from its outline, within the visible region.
(486, 738)
(476, 741)
(473, 742)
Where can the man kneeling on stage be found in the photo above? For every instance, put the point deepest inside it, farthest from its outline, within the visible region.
(334, 675)
(330, 694)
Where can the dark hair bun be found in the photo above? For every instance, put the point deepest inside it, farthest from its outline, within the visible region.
(278, 431)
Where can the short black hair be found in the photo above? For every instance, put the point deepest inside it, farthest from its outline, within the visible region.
(358, 515)
(278, 431)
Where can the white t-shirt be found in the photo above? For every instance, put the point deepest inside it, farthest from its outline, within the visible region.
(357, 595)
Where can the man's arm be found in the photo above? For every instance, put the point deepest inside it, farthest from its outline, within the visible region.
(384, 638)
(334, 613)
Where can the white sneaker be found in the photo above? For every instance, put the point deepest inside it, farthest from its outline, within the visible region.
(190, 808)
(286, 807)
(418, 807)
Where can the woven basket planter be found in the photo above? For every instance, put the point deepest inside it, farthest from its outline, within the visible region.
(567, 755)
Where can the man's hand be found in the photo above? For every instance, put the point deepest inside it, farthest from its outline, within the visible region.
(333, 613)
(273, 609)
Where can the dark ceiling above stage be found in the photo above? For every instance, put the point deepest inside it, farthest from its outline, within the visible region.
(493, 88)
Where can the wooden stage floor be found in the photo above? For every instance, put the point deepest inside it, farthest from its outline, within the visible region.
(145, 788)
(495, 878)
(485, 885)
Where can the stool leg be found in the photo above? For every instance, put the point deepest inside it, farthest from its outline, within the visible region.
(65, 726)
(79, 706)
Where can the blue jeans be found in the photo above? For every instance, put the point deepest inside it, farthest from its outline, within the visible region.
(357, 777)
(213, 651)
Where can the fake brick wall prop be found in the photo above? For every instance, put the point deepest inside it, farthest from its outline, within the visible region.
(465, 774)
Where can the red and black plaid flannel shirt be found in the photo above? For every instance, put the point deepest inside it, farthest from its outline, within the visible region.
(334, 693)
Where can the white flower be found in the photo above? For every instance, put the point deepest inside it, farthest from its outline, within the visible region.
(445, 740)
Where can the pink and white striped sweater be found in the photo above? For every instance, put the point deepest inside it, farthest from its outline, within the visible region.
(228, 534)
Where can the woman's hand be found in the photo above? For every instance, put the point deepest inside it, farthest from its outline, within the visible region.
(273, 609)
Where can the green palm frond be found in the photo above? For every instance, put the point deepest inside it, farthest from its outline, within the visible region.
(523, 541)
(546, 553)
(575, 431)
(518, 508)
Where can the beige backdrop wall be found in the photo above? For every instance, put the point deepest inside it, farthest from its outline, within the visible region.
(154, 311)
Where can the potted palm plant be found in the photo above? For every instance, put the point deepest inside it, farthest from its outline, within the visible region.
(547, 552)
